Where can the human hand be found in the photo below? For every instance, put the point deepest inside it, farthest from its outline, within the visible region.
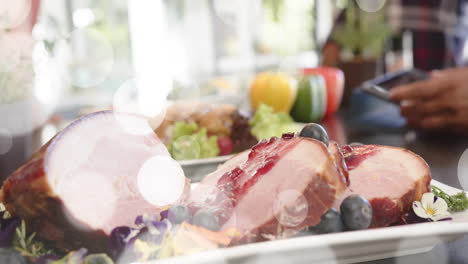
(441, 102)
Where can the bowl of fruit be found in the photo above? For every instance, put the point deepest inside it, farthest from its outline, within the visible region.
(308, 97)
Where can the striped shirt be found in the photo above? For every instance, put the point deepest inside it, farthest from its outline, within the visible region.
(439, 29)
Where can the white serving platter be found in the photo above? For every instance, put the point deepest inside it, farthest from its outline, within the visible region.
(196, 169)
(347, 247)
(207, 161)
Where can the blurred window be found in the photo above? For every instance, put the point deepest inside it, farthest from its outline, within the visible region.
(203, 43)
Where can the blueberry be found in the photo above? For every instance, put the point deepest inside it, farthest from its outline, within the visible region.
(178, 214)
(330, 223)
(356, 212)
(315, 131)
(11, 256)
(204, 218)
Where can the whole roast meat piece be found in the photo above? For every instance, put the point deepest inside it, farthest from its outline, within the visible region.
(390, 178)
(275, 189)
(83, 183)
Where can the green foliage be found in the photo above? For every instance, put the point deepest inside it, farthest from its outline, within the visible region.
(27, 244)
(266, 123)
(363, 33)
(275, 6)
(456, 203)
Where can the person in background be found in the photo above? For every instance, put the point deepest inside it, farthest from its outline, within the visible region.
(439, 29)
(439, 103)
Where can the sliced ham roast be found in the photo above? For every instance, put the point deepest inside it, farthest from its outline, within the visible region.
(83, 183)
(390, 178)
(279, 187)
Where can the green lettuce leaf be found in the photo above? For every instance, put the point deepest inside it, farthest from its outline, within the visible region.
(181, 129)
(208, 145)
(266, 123)
(191, 142)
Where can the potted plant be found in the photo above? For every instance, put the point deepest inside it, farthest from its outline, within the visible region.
(361, 39)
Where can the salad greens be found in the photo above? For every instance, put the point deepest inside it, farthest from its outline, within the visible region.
(191, 142)
(266, 123)
(456, 203)
(183, 129)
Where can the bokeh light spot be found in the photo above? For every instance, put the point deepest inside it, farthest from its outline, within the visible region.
(127, 100)
(99, 206)
(161, 181)
(83, 17)
(290, 208)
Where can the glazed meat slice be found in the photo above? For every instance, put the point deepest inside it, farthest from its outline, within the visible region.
(390, 178)
(275, 189)
(83, 183)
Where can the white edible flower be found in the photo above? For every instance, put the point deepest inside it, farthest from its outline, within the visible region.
(431, 207)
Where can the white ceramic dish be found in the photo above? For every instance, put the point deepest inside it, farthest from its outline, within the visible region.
(206, 161)
(347, 247)
(196, 169)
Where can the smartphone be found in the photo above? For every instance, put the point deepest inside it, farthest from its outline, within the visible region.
(380, 86)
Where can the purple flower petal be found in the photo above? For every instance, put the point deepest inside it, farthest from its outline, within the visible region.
(117, 240)
(145, 233)
(164, 214)
(139, 220)
(161, 226)
(435, 198)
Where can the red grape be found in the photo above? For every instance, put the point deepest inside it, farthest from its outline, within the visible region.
(225, 146)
